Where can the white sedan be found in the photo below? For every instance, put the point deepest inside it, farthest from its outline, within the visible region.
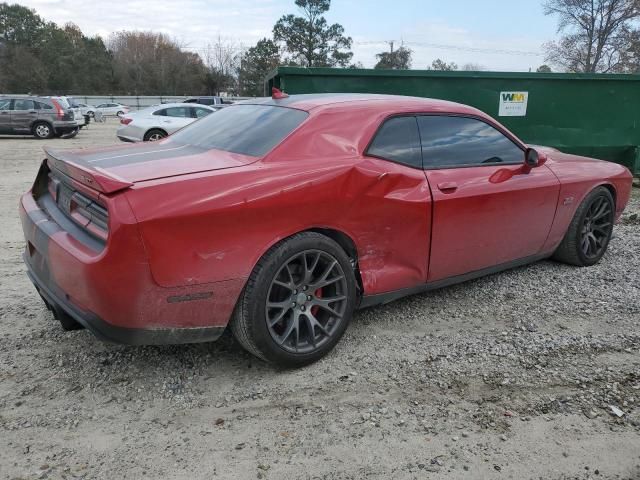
(87, 109)
(112, 109)
(155, 123)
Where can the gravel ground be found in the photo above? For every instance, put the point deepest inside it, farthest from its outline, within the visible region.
(510, 376)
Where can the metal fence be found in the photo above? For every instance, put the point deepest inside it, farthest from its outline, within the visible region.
(135, 102)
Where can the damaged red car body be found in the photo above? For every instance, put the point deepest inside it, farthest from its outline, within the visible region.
(283, 215)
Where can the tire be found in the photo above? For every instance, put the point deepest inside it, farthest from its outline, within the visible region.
(42, 130)
(309, 325)
(590, 230)
(71, 134)
(120, 113)
(91, 114)
(154, 135)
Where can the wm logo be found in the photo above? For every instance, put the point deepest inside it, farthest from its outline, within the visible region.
(513, 97)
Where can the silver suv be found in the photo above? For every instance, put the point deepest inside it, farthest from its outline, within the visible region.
(37, 116)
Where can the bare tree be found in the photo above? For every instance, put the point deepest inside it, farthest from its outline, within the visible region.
(221, 59)
(148, 63)
(596, 34)
(473, 67)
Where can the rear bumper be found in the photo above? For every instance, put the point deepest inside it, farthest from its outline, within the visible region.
(130, 133)
(57, 300)
(65, 126)
(109, 289)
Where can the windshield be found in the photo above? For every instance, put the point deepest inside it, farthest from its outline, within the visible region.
(245, 129)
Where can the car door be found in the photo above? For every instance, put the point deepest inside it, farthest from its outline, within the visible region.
(176, 118)
(23, 114)
(488, 208)
(5, 115)
(396, 200)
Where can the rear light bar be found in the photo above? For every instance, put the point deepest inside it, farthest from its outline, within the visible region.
(126, 121)
(83, 210)
(59, 109)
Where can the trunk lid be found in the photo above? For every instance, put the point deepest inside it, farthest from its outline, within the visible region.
(118, 167)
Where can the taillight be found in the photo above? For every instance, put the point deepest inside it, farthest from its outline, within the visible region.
(126, 121)
(59, 109)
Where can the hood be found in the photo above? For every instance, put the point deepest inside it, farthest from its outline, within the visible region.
(138, 162)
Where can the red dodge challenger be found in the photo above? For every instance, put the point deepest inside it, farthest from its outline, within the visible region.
(281, 216)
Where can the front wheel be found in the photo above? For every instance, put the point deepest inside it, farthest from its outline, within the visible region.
(589, 233)
(297, 302)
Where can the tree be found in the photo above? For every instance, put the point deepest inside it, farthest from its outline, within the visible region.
(596, 34)
(39, 57)
(255, 64)
(399, 59)
(148, 63)
(543, 69)
(309, 40)
(443, 66)
(221, 63)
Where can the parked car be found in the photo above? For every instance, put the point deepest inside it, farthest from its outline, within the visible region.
(281, 216)
(70, 103)
(38, 116)
(155, 123)
(111, 109)
(204, 100)
(86, 109)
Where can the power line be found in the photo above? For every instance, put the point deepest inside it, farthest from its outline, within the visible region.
(458, 48)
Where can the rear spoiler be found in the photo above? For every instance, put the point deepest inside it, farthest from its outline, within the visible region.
(97, 178)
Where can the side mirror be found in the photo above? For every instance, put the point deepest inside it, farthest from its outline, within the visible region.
(533, 158)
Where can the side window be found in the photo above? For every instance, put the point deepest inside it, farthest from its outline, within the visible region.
(23, 105)
(398, 140)
(178, 112)
(5, 104)
(201, 112)
(461, 141)
(102, 105)
(161, 113)
(43, 106)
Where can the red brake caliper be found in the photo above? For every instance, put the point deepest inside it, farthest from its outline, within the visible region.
(315, 308)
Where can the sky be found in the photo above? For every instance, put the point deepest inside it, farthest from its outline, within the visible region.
(499, 35)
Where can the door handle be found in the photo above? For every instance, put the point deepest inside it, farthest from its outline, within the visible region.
(447, 187)
(32, 111)
(4, 113)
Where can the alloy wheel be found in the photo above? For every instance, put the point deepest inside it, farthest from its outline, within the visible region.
(306, 301)
(154, 137)
(43, 131)
(596, 227)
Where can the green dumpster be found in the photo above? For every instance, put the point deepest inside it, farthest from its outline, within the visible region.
(596, 115)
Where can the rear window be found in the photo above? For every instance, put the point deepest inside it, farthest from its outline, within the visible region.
(245, 129)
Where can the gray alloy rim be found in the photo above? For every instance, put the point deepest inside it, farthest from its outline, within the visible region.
(154, 137)
(42, 131)
(306, 302)
(596, 228)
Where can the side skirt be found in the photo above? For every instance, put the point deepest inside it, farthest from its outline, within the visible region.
(383, 298)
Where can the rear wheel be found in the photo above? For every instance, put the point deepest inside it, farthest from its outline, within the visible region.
(42, 130)
(154, 135)
(120, 113)
(71, 133)
(590, 230)
(297, 302)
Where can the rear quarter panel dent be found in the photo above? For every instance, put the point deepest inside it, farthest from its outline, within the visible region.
(215, 227)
